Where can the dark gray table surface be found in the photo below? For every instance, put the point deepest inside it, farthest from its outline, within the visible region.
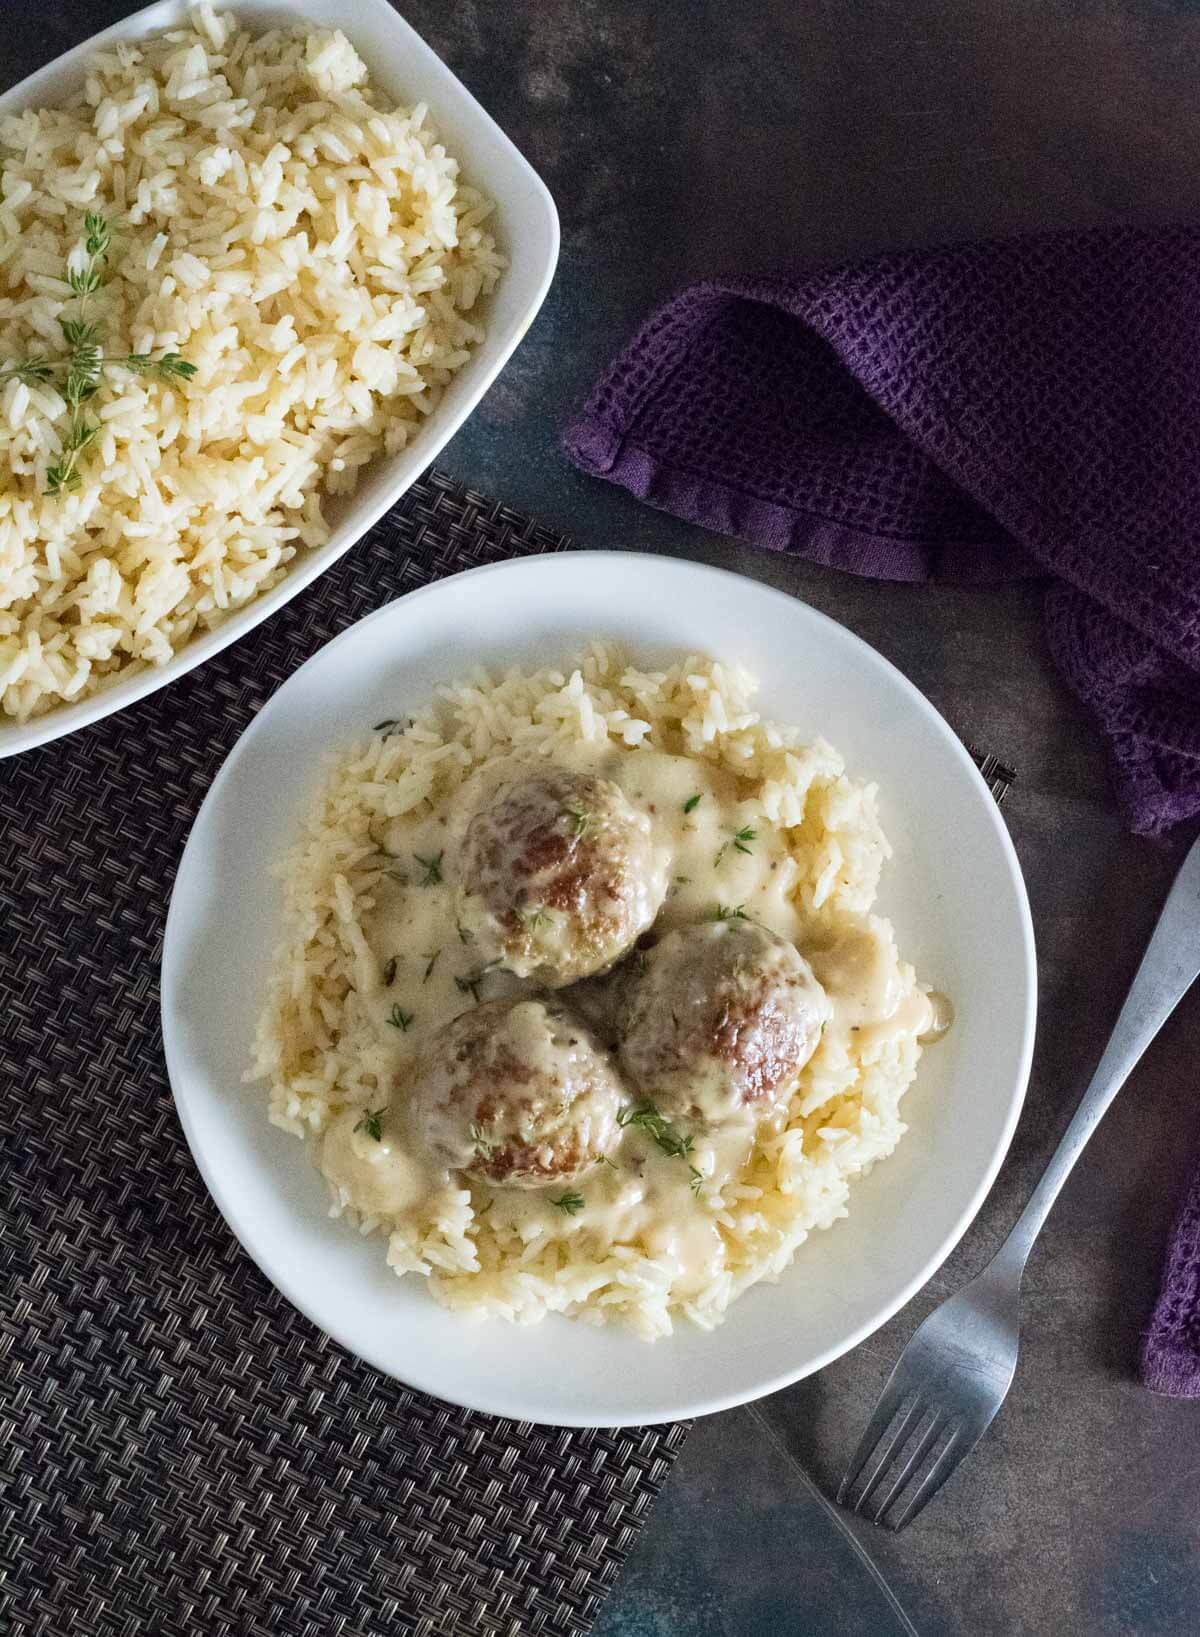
(687, 137)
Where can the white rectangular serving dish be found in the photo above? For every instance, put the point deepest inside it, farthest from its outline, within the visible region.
(526, 229)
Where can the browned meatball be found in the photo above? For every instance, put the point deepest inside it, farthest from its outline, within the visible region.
(517, 1092)
(557, 873)
(722, 1019)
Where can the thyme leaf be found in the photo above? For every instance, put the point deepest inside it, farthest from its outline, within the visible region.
(372, 1123)
(433, 869)
(34, 371)
(581, 821)
(569, 1204)
(484, 1145)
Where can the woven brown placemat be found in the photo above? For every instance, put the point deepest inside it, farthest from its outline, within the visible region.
(181, 1452)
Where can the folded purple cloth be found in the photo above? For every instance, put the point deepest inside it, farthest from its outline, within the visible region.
(1171, 1345)
(973, 413)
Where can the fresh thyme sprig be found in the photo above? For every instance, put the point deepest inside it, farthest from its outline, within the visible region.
(669, 1138)
(692, 803)
(79, 373)
(400, 1019)
(723, 912)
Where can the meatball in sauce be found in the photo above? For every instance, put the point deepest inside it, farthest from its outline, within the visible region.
(557, 874)
(721, 1020)
(517, 1093)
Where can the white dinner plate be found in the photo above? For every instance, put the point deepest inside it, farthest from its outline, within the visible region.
(954, 890)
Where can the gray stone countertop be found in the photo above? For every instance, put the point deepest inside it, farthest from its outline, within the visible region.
(683, 138)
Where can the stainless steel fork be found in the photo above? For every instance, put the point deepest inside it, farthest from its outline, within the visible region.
(953, 1376)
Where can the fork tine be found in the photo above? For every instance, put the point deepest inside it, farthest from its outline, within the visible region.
(889, 1406)
(956, 1449)
(912, 1463)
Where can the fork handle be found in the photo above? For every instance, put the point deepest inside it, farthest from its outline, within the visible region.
(1167, 970)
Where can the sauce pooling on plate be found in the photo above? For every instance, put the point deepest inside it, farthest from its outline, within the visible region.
(557, 869)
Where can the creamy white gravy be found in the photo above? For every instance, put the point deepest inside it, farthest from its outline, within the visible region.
(420, 970)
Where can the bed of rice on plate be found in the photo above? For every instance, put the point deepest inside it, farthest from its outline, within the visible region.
(321, 1052)
(308, 248)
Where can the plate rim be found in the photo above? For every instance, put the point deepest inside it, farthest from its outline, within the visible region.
(706, 1404)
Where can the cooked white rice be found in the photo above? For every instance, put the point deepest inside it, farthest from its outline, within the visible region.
(320, 1049)
(310, 249)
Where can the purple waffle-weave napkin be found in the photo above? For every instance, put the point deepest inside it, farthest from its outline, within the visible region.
(972, 413)
(1029, 407)
(1171, 1345)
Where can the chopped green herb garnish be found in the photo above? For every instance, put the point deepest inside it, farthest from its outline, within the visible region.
(430, 963)
(604, 1160)
(569, 1204)
(433, 869)
(580, 822)
(647, 1117)
(386, 726)
(372, 1123)
(483, 1210)
(723, 912)
(532, 919)
(697, 1180)
(464, 937)
(739, 841)
(400, 1019)
(469, 983)
(389, 973)
(692, 803)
